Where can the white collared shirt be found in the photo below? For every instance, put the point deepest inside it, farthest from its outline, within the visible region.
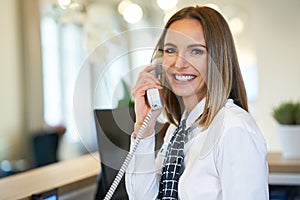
(227, 161)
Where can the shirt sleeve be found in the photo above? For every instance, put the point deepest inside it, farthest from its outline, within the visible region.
(140, 178)
(143, 173)
(242, 165)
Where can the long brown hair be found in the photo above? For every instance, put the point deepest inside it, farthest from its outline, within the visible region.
(224, 76)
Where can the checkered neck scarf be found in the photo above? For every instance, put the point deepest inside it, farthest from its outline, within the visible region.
(173, 162)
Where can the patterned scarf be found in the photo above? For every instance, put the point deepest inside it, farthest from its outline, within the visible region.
(173, 162)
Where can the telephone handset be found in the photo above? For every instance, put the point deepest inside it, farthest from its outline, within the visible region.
(154, 101)
(153, 95)
(153, 98)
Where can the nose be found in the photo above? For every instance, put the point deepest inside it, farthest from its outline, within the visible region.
(181, 62)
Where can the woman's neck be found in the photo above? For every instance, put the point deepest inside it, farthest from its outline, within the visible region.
(190, 102)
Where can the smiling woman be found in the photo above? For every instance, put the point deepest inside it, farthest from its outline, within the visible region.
(213, 149)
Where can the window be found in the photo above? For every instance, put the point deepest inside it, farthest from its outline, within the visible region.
(62, 55)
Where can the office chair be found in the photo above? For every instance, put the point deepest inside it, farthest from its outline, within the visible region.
(45, 145)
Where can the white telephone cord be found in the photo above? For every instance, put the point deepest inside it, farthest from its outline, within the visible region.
(128, 158)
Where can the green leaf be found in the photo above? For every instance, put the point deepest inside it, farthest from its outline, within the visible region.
(297, 113)
(287, 113)
(127, 100)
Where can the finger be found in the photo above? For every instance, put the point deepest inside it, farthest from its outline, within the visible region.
(145, 77)
(141, 89)
(149, 68)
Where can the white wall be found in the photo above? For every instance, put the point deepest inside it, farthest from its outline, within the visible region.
(276, 26)
(21, 99)
(11, 108)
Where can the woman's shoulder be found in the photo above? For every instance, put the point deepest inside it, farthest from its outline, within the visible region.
(235, 116)
(238, 123)
(232, 123)
(232, 120)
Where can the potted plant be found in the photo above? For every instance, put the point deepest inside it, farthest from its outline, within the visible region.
(287, 114)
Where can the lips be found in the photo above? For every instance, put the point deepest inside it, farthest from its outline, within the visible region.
(184, 78)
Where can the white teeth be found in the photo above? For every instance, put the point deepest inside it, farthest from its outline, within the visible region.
(184, 78)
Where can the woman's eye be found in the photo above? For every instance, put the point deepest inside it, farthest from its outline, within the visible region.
(170, 50)
(196, 52)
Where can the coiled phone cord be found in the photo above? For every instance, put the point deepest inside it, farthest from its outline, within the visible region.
(128, 158)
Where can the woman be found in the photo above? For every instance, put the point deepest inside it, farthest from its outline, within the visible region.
(221, 153)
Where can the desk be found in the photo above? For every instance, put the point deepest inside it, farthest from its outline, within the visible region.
(65, 176)
(283, 171)
(74, 174)
(277, 164)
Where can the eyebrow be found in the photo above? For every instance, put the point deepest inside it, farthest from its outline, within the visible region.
(189, 46)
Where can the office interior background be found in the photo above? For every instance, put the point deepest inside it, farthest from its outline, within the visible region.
(45, 45)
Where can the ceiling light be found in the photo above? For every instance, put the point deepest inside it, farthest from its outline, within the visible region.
(64, 3)
(122, 5)
(167, 4)
(132, 13)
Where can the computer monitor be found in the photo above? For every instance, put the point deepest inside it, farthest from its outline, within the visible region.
(114, 129)
(48, 195)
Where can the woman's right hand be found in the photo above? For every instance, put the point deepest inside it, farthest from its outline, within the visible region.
(145, 81)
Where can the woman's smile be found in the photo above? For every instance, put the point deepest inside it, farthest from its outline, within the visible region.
(184, 77)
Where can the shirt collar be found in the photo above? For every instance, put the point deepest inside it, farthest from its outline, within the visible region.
(194, 114)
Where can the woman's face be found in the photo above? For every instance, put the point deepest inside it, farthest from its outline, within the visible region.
(185, 59)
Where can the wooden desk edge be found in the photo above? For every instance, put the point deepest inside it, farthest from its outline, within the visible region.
(278, 164)
(68, 184)
(71, 187)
